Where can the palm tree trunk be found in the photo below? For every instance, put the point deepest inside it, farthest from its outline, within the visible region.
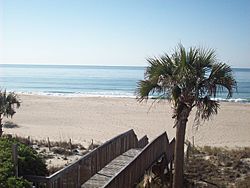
(1, 126)
(179, 149)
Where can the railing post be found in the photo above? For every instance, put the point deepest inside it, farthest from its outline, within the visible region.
(15, 159)
(171, 173)
(49, 184)
(60, 182)
(78, 176)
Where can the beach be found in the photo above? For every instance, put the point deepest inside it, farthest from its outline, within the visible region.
(83, 119)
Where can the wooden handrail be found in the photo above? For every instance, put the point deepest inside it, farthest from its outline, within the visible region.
(143, 142)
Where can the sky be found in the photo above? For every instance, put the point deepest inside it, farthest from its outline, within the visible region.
(116, 32)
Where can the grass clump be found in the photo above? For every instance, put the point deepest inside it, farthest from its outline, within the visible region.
(61, 151)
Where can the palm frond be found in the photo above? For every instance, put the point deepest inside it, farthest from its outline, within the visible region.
(206, 108)
(145, 87)
(183, 56)
(159, 77)
(207, 57)
(162, 66)
(220, 78)
(13, 99)
(192, 56)
(8, 103)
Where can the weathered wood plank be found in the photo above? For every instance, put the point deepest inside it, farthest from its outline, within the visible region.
(111, 169)
(96, 181)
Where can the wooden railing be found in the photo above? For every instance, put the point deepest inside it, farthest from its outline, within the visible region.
(143, 142)
(131, 173)
(77, 173)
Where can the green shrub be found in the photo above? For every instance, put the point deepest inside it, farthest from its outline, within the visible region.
(14, 182)
(29, 163)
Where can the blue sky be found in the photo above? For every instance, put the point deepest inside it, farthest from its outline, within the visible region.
(113, 32)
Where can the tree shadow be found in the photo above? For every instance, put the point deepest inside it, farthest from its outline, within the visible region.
(10, 125)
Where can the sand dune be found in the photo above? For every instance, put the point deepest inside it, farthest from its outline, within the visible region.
(98, 118)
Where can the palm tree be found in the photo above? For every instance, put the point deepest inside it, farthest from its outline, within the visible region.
(8, 103)
(188, 78)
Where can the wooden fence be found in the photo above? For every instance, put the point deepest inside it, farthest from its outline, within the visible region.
(77, 173)
(133, 172)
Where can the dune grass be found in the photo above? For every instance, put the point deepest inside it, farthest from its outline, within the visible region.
(51, 151)
(210, 167)
(218, 166)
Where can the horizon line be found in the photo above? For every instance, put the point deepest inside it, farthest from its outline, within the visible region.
(87, 65)
(74, 65)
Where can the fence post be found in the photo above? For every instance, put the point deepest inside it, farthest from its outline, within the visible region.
(70, 144)
(28, 140)
(15, 159)
(48, 143)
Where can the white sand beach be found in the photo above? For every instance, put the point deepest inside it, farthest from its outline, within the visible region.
(99, 118)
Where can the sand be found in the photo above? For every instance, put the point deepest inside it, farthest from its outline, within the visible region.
(82, 119)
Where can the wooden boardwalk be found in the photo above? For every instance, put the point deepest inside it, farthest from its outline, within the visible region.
(119, 162)
(104, 175)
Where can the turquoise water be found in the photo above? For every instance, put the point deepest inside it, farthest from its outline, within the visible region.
(66, 80)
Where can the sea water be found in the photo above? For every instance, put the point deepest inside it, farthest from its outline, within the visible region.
(67, 80)
(107, 81)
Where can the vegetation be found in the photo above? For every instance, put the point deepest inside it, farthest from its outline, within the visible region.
(8, 103)
(62, 151)
(218, 167)
(210, 167)
(29, 163)
(14, 182)
(188, 78)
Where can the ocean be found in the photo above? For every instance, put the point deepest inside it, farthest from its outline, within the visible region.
(106, 81)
